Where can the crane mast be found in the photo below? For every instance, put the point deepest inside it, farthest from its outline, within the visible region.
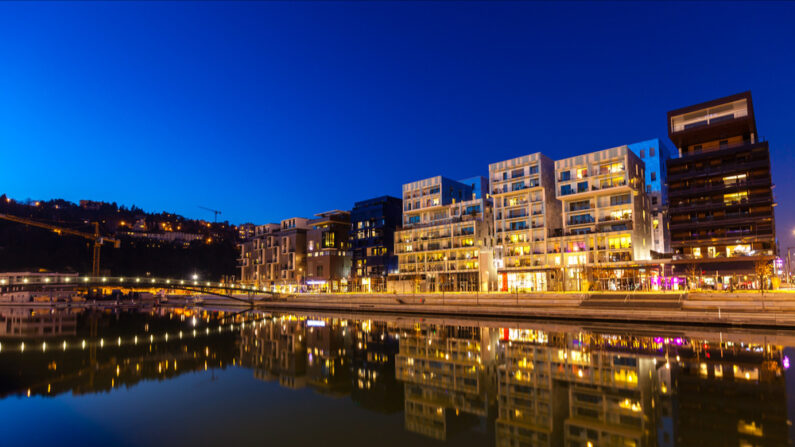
(96, 236)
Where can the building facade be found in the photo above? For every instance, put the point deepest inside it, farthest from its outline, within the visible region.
(445, 242)
(720, 191)
(328, 251)
(526, 212)
(655, 155)
(605, 220)
(276, 256)
(373, 225)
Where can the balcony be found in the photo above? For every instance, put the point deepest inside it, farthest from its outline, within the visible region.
(610, 219)
(593, 189)
(719, 170)
(716, 186)
(588, 220)
(712, 221)
(719, 204)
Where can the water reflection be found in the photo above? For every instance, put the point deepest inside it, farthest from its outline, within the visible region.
(461, 381)
(87, 351)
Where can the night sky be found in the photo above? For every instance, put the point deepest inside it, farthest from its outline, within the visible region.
(272, 110)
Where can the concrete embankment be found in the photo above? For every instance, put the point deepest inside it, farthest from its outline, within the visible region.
(774, 310)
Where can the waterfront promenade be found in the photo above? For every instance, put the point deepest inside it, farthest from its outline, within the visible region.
(774, 309)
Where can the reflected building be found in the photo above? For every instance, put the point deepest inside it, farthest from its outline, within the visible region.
(449, 375)
(328, 368)
(335, 357)
(592, 389)
(374, 349)
(555, 390)
(731, 396)
(19, 322)
(276, 350)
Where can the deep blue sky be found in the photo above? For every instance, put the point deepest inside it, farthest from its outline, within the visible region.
(270, 110)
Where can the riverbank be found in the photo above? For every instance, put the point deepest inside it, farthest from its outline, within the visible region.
(739, 309)
(715, 309)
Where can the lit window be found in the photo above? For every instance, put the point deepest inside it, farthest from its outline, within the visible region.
(737, 197)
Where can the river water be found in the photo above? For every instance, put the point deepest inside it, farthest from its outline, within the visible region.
(174, 376)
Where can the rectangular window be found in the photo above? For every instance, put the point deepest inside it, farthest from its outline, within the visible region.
(582, 187)
(734, 179)
(642, 153)
(619, 242)
(651, 152)
(735, 198)
(566, 190)
(533, 169)
(414, 219)
(517, 173)
(625, 214)
(653, 176)
(517, 186)
(578, 206)
(581, 219)
(565, 176)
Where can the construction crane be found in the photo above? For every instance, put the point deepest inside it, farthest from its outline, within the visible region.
(215, 212)
(96, 237)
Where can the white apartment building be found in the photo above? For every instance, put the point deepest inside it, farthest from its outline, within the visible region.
(606, 219)
(446, 239)
(526, 212)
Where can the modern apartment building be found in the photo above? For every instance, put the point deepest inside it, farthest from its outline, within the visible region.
(446, 239)
(720, 191)
(276, 256)
(654, 154)
(328, 251)
(606, 220)
(373, 225)
(526, 212)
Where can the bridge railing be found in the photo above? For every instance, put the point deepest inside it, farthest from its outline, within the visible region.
(123, 281)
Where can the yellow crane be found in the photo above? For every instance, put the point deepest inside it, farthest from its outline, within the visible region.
(96, 237)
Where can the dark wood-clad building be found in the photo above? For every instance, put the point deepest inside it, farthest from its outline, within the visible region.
(720, 191)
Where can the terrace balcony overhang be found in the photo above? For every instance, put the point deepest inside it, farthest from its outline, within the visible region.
(712, 120)
(689, 259)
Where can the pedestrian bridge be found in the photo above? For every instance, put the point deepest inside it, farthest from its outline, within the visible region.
(40, 281)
